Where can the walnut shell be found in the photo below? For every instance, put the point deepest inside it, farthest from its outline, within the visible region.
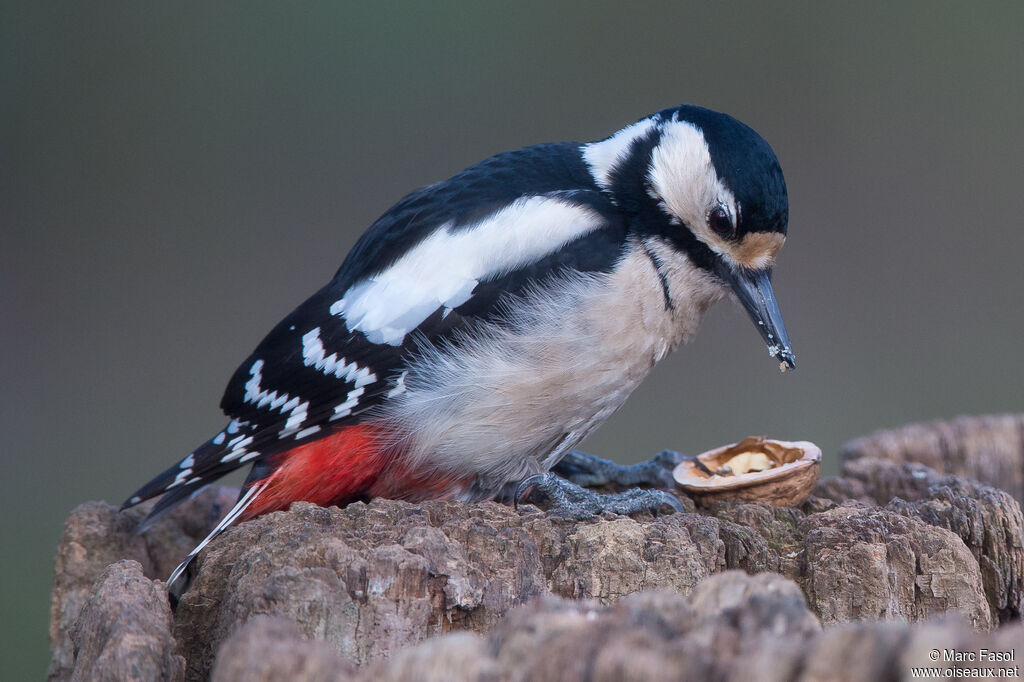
(788, 484)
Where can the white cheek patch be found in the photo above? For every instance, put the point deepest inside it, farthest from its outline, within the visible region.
(443, 269)
(602, 157)
(684, 178)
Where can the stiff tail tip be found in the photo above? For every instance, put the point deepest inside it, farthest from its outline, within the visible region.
(181, 578)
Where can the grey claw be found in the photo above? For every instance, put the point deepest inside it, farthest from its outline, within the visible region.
(669, 459)
(565, 499)
(590, 471)
(523, 489)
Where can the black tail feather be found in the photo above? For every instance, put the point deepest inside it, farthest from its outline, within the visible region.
(200, 468)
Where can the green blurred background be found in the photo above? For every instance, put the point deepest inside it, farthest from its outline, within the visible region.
(177, 176)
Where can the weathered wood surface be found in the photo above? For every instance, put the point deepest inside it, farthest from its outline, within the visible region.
(338, 594)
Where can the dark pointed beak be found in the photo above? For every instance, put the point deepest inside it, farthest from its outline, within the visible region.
(754, 289)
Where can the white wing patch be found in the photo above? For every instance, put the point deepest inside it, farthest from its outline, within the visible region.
(443, 269)
(351, 401)
(180, 479)
(294, 406)
(603, 156)
(237, 445)
(238, 451)
(314, 355)
(307, 432)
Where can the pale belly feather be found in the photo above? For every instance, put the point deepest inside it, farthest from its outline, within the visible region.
(531, 390)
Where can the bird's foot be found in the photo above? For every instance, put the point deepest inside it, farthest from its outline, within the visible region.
(565, 499)
(585, 469)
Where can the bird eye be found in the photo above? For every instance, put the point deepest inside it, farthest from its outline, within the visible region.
(720, 222)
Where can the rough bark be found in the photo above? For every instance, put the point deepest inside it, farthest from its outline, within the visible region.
(330, 594)
(987, 520)
(371, 579)
(269, 649)
(123, 632)
(987, 448)
(731, 627)
(96, 535)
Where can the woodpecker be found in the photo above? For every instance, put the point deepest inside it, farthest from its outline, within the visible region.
(486, 324)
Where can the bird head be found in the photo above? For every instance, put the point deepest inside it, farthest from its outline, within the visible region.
(711, 187)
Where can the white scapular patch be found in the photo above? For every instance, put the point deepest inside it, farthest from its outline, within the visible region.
(603, 156)
(443, 269)
(286, 404)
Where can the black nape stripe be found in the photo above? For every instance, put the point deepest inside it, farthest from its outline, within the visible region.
(661, 275)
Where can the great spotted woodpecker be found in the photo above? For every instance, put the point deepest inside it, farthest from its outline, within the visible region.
(486, 324)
